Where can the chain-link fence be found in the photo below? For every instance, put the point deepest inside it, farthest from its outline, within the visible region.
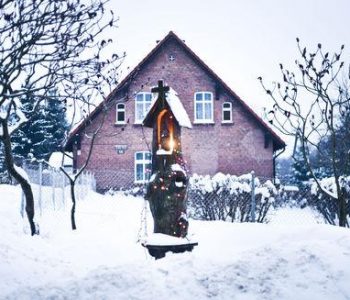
(246, 198)
(51, 187)
(117, 180)
(260, 199)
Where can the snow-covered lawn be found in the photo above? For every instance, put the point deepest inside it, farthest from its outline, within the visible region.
(102, 259)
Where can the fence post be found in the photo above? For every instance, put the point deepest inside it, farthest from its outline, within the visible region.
(63, 190)
(40, 187)
(53, 183)
(252, 208)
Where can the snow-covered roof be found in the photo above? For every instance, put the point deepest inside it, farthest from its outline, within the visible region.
(176, 107)
(58, 159)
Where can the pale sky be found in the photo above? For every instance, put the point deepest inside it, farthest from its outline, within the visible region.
(239, 39)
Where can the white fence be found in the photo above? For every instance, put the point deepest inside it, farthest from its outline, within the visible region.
(51, 188)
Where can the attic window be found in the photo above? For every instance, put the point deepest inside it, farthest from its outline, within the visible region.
(120, 113)
(227, 112)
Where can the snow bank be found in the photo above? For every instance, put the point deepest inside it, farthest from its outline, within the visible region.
(102, 260)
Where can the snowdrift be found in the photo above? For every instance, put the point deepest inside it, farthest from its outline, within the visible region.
(103, 259)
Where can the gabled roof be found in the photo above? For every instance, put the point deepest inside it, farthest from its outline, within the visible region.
(278, 143)
(175, 106)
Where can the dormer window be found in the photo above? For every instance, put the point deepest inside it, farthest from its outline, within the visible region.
(227, 112)
(120, 113)
(142, 104)
(203, 107)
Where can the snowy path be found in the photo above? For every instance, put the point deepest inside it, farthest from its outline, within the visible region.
(103, 261)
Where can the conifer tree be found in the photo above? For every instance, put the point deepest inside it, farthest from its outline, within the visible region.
(44, 133)
(301, 173)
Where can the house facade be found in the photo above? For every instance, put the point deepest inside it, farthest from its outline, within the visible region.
(226, 135)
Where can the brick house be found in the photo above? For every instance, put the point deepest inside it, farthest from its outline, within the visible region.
(226, 135)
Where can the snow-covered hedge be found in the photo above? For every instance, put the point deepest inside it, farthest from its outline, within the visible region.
(229, 197)
(325, 200)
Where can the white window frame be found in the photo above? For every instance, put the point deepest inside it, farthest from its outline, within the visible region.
(120, 110)
(224, 109)
(203, 102)
(144, 104)
(144, 161)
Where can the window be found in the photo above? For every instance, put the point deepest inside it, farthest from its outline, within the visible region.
(227, 112)
(143, 165)
(203, 107)
(142, 104)
(120, 114)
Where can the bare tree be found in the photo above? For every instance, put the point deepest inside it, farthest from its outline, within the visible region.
(91, 132)
(307, 105)
(45, 46)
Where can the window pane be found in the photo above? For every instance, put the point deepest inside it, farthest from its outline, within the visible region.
(227, 105)
(148, 170)
(148, 156)
(139, 155)
(139, 111)
(139, 97)
(207, 96)
(147, 105)
(227, 116)
(208, 111)
(199, 96)
(120, 106)
(148, 97)
(199, 111)
(139, 172)
(121, 116)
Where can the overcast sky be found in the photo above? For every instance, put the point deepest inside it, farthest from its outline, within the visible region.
(239, 39)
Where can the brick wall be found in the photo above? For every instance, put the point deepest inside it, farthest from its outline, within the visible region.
(235, 148)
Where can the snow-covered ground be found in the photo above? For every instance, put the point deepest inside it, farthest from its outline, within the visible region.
(102, 259)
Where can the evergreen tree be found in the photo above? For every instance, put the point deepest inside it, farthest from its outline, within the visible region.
(284, 170)
(301, 173)
(44, 133)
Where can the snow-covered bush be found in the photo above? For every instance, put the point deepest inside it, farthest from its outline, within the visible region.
(229, 197)
(292, 196)
(326, 200)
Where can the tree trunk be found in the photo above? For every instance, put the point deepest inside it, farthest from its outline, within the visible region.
(342, 210)
(167, 195)
(72, 193)
(25, 185)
